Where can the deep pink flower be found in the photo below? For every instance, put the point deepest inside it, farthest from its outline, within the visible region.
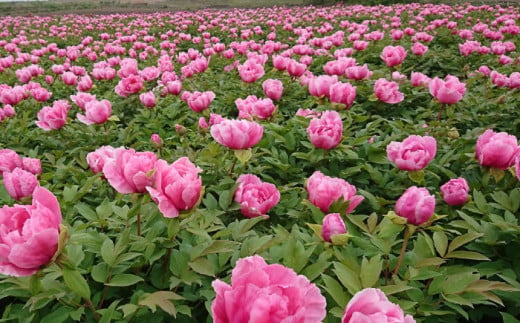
(96, 112)
(413, 153)
(148, 99)
(199, 101)
(332, 224)
(388, 91)
(237, 134)
(177, 187)
(255, 197)
(253, 107)
(29, 235)
(416, 205)
(273, 89)
(319, 86)
(97, 159)
(19, 183)
(418, 79)
(371, 305)
(324, 190)
(33, 165)
(266, 293)
(455, 191)
(55, 117)
(393, 55)
(130, 171)
(129, 85)
(496, 150)
(358, 72)
(326, 132)
(449, 91)
(250, 71)
(343, 93)
(81, 98)
(9, 160)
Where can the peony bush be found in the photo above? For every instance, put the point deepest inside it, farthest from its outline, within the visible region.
(307, 164)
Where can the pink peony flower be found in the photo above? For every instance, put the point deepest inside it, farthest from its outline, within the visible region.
(418, 79)
(129, 85)
(81, 98)
(413, 153)
(449, 91)
(29, 235)
(97, 159)
(237, 134)
(324, 190)
(130, 171)
(19, 183)
(416, 205)
(255, 197)
(342, 93)
(199, 101)
(326, 132)
(419, 49)
(319, 86)
(393, 55)
(32, 165)
(250, 71)
(358, 72)
(9, 160)
(177, 187)
(332, 224)
(148, 99)
(96, 112)
(371, 305)
(55, 117)
(496, 150)
(253, 107)
(388, 91)
(273, 89)
(455, 191)
(266, 293)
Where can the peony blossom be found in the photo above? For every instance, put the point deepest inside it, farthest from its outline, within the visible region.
(177, 187)
(388, 91)
(455, 191)
(413, 153)
(449, 91)
(324, 190)
(255, 197)
(332, 224)
(371, 305)
(416, 205)
(29, 235)
(496, 150)
(237, 134)
(130, 171)
(266, 293)
(326, 132)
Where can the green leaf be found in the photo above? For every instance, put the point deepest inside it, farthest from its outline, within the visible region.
(480, 201)
(427, 262)
(508, 318)
(128, 309)
(76, 282)
(316, 228)
(121, 280)
(416, 176)
(108, 313)
(86, 212)
(456, 283)
(225, 199)
(335, 290)
(394, 289)
(348, 277)
(440, 241)
(244, 155)
(163, 299)
(471, 255)
(108, 253)
(463, 239)
(370, 271)
(61, 314)
(100, 272)
(203, 266)
(340, 239)
(457, 299)
(220, 246)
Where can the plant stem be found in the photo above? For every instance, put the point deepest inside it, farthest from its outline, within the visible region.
(407, 235)
(92, 309)
(440, 112)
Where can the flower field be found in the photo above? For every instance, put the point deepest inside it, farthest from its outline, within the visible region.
(287, 164)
